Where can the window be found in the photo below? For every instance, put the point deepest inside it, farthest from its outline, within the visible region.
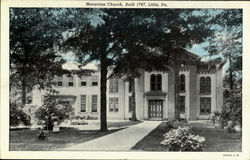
(113, 105)
(83, 103)
(71, 83)
(205, 85)
(208, 85)
(94, 103)
(155, 82)
(83, 83)
(130, 86)
(205, 105)
(152, 79)
(182, 104)
(94, 80)
(130, 104)
(113, 85)
(202, 84)
(59, 81)
(158, 82)
(182, 83)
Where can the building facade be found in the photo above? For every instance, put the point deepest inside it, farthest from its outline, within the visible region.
(200, 91)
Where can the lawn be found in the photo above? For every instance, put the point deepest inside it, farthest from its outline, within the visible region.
(26, 139)
(217, 140)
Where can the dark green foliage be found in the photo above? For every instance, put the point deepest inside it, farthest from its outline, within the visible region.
(18, 116)
(34, 35)
(85, 117)
(42, 134)
(52, 111)
(155, 36)
(227, 41)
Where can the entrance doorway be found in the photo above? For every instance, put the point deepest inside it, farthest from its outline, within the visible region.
(155, 110)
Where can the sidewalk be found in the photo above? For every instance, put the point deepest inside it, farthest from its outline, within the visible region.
(122, 140)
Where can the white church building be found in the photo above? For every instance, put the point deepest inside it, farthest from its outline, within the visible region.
(201, 92)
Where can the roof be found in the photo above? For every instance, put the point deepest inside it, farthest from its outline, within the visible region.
(212, 64)
(71, 65)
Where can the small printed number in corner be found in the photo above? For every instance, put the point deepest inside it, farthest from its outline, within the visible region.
(230, 155)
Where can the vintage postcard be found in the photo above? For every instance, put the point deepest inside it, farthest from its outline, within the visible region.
(124, 79)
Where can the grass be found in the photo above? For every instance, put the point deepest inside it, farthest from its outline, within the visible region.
(26, 139)
(217, 140)
(152, 141)
(122, 123)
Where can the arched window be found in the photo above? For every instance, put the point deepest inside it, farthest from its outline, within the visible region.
(182, 83)
(205, 85)
(155, 82)
(152, 79)
(208, 84)
(202, 85)
(159, 82)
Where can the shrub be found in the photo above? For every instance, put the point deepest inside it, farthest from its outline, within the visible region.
(42, 134)
(17, 115)
(230, 130)
(182, 140)
(84, 117)
(78, 122)
(52, 111)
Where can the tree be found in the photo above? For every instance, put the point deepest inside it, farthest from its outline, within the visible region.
(52, 111)
(158, 36)
(34, 35)
(94, 43)
(108, 40)
(17, 115)
(227, 42)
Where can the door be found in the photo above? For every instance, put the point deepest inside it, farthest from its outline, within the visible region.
(155, 109)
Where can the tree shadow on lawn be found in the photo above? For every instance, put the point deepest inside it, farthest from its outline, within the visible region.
(26, 139)
(122, 123)
(152, 141)
(217, 140)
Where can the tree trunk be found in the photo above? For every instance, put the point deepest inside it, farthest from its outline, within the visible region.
(133, 100)
(231, 83)
(49, 123)
(23, 91)
(177, 91)
(104, 71)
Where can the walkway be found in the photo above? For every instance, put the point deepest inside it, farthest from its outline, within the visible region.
(122, 140)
